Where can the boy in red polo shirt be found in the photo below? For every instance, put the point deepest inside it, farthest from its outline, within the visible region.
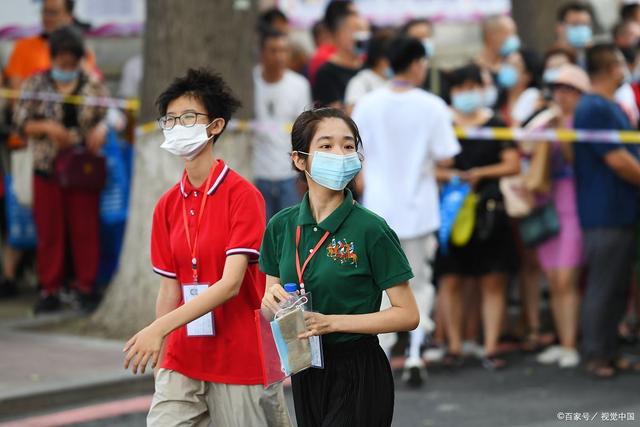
(205, 241)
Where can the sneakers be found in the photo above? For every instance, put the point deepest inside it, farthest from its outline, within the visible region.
(564, 357)
(472, 348)
(414, 372)
(88, 303)
(47, 304)
(570, 358)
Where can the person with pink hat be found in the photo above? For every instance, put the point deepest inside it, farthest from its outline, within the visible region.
(561, 256)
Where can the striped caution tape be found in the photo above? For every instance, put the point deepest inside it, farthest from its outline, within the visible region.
(97, 101)
(243, 126)
(480, 133)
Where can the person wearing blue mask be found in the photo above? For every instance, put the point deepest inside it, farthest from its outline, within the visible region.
(346, 257)
(574, 29)
(66, 217)
(488, 257)
(500, 39)
(519, 78)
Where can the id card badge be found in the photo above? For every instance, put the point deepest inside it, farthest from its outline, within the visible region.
(203, 326)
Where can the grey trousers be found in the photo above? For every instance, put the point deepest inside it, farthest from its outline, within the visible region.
(610, 254)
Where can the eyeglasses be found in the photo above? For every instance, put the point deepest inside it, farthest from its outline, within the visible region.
(187, 120)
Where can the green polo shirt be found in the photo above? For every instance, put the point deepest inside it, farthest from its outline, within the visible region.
(359, 260)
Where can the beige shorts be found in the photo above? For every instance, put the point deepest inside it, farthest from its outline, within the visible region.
(183, 401)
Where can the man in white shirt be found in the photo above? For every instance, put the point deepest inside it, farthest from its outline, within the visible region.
(405, 131)
(280, 96)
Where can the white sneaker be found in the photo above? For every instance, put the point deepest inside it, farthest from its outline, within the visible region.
(434, 354)
(570, 358)
(551, 355)
(472, 348)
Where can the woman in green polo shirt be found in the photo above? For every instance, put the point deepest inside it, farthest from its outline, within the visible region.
(345, 256)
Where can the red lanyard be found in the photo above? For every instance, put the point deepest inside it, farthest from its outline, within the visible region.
(193, 248)
(299, 269)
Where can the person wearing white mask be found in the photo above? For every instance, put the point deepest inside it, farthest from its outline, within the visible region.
(205, 241)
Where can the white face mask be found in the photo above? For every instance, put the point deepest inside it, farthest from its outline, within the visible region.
(186, 142)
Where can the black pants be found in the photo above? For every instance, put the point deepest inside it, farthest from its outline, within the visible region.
(609, 253)
(355, 388)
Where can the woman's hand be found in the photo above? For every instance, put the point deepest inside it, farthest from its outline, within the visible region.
(144, 347)
(96, 138)
(273, 296)
(473, 176)
(318, 324)
(60, 135)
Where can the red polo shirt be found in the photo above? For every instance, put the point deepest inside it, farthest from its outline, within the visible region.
(233, 223)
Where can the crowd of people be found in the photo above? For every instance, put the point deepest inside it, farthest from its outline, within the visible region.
(406, 112)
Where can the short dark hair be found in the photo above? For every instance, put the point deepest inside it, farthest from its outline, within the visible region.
(207, 87)
(404, 30)
(377, 48)
(306, 125)
(467, 73)
(600, 57)
(403, 51)
(269, 16)
(268, 34)
(69, 5)
(627, 11)
(66, 40)
(336, 12)
(574, 6)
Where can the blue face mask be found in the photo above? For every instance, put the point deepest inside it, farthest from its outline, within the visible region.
(468, 101)
(429, 47)
(64, 76)
(510, 45)
(388, 73)
(361, 42)
(334, 171)
(579, 36)
(507, 76)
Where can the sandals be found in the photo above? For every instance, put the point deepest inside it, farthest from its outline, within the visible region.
(452, 360)
(601, 369)
(492, 362)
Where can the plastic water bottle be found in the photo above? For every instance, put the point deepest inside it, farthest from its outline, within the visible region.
(292, 290)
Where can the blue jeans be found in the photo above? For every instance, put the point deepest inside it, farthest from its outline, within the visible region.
(278, 194)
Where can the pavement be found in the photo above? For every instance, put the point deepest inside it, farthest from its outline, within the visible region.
(50, 379)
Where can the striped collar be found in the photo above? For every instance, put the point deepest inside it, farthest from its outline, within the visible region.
(220, 171)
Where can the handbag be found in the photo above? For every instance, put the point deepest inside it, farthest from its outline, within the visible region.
(541, 225)
(22, 174)
(78, 169)
(518, 200)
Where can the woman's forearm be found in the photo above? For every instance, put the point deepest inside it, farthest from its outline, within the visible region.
(36, 127)
(393, 319)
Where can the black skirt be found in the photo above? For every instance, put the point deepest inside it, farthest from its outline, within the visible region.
(355, 388)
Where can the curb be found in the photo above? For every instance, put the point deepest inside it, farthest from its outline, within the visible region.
(17, 406)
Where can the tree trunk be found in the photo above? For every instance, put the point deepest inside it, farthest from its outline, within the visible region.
(536, 20)
(179, 34)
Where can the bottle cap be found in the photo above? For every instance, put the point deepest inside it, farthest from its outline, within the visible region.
(290, 287)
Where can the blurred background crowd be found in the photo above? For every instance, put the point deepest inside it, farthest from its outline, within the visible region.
(527, 245)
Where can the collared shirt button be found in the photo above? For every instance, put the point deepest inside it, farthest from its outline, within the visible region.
(310, 251)
(315, 228)
(195, 194)
(192, 212)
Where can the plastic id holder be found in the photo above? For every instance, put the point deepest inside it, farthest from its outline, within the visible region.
(317, 355)
(282, 353)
